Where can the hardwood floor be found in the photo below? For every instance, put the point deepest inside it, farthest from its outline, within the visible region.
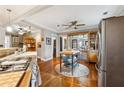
(52, 79)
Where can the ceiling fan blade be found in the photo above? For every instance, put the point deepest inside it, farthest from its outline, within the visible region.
(80, 24)
(66, 25)
(75, 27)
(74, 22)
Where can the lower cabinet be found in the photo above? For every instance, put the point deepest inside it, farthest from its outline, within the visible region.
(92, 56)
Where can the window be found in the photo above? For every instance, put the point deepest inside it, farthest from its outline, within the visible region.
(80, 41)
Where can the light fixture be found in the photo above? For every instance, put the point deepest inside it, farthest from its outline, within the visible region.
(21, 32)
(105, 13)
(9, 28)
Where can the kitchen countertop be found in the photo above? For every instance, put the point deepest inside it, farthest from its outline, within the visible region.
(18, 78)
(14, 62)
(69, 52)
(26, 79)
(8, 48)
(22, 55)
(7, 51)
(10, 79)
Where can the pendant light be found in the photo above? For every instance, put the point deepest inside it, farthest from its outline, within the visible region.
(9, 28)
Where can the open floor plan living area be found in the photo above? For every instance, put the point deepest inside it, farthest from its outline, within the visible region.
(61, 46)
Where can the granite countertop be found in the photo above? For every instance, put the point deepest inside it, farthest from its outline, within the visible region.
(10, 79)
(22, 55)
(8, 48)
(14, 78)
(22, 61)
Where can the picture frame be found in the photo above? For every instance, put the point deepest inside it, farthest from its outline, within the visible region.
(39, 44)
(48, 40)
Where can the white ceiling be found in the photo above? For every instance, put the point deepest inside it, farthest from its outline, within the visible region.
(85, 14)
(48, 17)
(17, 11)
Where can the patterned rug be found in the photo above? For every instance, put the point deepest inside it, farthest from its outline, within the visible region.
(79, 71)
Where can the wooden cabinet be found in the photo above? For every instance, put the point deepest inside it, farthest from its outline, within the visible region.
(92, 40)
(92, 52)
(92, 56)
(15, 41)
(30, 43)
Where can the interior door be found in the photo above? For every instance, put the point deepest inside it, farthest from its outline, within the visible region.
(61, 44)
(54, 48)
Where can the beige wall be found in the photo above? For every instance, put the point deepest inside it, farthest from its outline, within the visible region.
(2, 37)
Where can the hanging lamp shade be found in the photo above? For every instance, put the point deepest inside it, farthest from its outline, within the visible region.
(9, 28)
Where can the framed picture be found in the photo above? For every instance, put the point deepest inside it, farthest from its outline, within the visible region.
(48, 41)
(39, 44)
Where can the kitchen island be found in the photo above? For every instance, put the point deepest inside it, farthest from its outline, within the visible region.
(69, 57)
(7, 51)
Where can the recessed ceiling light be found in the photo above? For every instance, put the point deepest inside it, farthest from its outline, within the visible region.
(105, 13)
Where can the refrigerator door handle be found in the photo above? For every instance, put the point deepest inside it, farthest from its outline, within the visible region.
(98, 65)
(102, 70)
(99, 49)
(99, 46)
(99, 69)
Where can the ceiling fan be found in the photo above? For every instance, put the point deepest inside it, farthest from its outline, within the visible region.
(21, 30)
(73, 24)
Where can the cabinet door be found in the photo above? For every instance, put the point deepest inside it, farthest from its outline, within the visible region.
(7, 41)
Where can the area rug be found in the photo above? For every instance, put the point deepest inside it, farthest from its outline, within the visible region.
(79, 71)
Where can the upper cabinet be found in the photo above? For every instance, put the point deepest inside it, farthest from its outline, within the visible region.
(30, 43)
(15, 41)
(92, 40)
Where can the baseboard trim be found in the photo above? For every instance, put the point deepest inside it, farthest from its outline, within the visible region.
(46, 59)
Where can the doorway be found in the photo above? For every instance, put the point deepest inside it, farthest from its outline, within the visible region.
(54, 48)
(61, 44)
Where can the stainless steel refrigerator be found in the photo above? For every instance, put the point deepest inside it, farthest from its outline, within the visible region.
(111, 52)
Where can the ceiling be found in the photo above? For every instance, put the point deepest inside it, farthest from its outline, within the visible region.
(62, 14)
(17, 11)
(49, 16)
(26, 26)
